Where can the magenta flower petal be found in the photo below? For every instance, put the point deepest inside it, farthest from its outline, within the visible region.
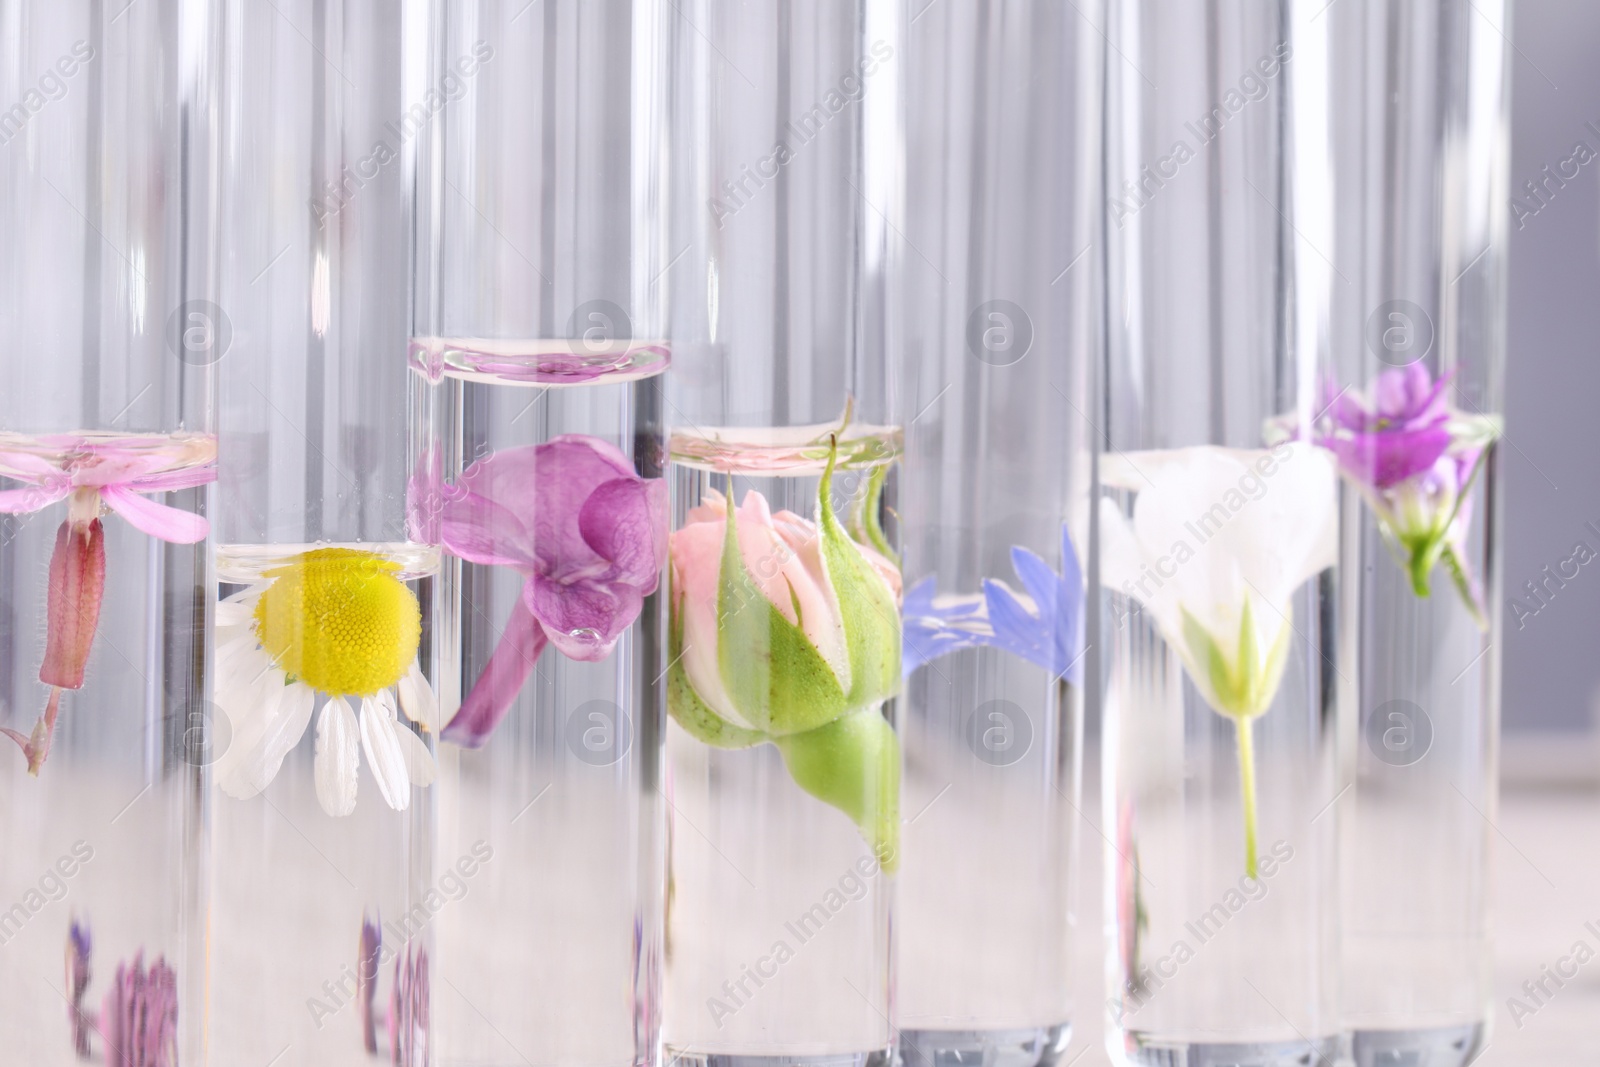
(77, 582)
(539, 491)
(157, 520)
(171, 481)
(583, 619)
(33, 497)
(495, 689)
(587, 533)
(625, 521)
(481, 531)
(1408, 393)
(1385, 459)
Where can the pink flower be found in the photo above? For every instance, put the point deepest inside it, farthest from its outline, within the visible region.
(588, 534)
(788, 631)
(782, 554)
(88, 471)
(119, 470)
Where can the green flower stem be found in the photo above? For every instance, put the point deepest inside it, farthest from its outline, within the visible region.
(1424, 554)
(1247, 791)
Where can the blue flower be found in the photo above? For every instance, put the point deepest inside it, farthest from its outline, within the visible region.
(1049, 633)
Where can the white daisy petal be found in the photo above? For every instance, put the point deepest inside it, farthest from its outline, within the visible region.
(250, 711)
(417, 699)
(255, 754)
(227, 655)
(338, 757)
(234, 612)
(246, 685)
(385, 758)
(420, 765)
(245, 667)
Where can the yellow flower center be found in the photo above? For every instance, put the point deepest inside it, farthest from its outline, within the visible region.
(340, 621)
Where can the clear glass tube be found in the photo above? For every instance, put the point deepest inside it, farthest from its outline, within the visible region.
(1418, 337)
(536, 309)
(1218, 538)
(783, 763)
(1002, 210)
(107, 161)
(324, 897)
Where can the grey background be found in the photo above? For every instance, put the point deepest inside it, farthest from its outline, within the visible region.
(1550, 468)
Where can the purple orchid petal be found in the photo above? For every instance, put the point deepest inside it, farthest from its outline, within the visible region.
(545, 487)
(157, 520)
(479, 530)
(502, 678)
(624, 521)
(583, 619)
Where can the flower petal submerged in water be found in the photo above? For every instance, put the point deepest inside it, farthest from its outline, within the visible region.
(588, 535)
(1219, 542)
(788, 631)
(90, 470)
(1413, 457)
(1044, 627)
(342, 623)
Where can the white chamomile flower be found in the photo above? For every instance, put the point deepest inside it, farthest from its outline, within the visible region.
(334, 621)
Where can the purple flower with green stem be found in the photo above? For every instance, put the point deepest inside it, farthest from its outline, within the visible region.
(1413, 458)
(1044, 627)
(588, 535)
